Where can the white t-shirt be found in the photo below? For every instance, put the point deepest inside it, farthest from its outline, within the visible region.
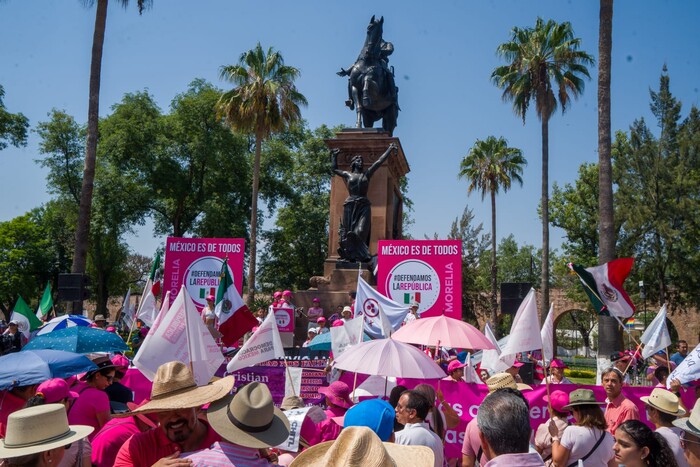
(672, 437)
(579, 440)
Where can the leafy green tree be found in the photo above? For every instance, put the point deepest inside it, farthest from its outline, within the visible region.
(82, 232)
(540, 59)
(298, 245)
(13, 127)
(264, 101)
(517, 263)
(490, 166)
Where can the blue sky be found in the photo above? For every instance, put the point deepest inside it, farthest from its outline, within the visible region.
(444, 55)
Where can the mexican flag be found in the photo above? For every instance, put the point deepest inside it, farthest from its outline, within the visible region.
(147, 308)
(235, 319)
(46, 303)
(26, 319)
(603, 285)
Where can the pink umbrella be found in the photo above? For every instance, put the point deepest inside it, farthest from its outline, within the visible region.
(443, 331)
(388, 357)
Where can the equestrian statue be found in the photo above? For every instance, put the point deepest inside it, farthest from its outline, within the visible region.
(372, 91)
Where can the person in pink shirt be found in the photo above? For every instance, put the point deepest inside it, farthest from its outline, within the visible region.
(91, 406)
(177, 400)
(337, 403)
(618, 409)
(12, 400)
(315, 312)
(106, 444)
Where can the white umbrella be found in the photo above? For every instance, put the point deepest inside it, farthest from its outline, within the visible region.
(387, 357)
(64, 321)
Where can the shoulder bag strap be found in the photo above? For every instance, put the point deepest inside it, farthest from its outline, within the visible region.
(600, 440)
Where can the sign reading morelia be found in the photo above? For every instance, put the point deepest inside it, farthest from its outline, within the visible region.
(428, 272)
(196, 263)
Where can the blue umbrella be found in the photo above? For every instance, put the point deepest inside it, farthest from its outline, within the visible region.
(36, 366)
(323, 341)
(62, 322)
(79, 339)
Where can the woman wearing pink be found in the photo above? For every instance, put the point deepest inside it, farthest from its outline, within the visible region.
(337, 403)
(91, 407)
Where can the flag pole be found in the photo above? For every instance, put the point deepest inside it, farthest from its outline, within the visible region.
(187, 332)
(668, 361)
(289, 376)
(631, 359)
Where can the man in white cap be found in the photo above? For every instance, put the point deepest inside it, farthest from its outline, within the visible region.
(177, 400)
(412, 314)
(249, 423)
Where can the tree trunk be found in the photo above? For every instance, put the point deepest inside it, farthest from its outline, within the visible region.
(544, 306)
(494, 265)
(254, 221)
(82, 232)
(609, 333)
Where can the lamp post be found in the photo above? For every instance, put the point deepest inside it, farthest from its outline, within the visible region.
(643, 296)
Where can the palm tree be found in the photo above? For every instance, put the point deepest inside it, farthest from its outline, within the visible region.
(539, 58)
(609, 336)
(265, 100)
(82, 231)
(490, 166)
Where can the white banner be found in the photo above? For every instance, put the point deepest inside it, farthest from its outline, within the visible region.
(265, 344)
(656, 336)
(547, 335)
(525, 330)
(688, 370)
(490, 358)
(346, 335)
(178, 333)
(382, 315)
(292, 381)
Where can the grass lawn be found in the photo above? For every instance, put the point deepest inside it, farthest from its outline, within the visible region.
(589, 381)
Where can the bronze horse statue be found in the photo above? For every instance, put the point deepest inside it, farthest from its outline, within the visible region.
(372, 92)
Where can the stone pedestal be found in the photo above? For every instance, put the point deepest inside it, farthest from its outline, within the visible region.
(384, 189)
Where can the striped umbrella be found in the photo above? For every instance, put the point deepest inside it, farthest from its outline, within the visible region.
(64, 321)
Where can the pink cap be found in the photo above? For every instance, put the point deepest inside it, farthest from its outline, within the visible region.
(558, 399)
(211, 298)
(55, 390)
(120, 361)
(316, 300)
(277, 294)
(557, 363)
(111, 329)
(518, 364)
(337, 322)
(321, 320)
(91, 325)
(287, 293)
(455, 365)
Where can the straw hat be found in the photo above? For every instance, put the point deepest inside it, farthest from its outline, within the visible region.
(692, 423)
(358, 446)
(174, 388)
(664, 401)
(505, 380)
(38, 429)
(581, 397)
(292, 402)
(249, 418)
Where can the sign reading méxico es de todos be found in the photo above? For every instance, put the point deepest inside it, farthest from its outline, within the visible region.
(196, 263)
(425, 271)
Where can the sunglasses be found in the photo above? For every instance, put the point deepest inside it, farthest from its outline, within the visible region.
(684, 440)
(108, 378)
(67, 446)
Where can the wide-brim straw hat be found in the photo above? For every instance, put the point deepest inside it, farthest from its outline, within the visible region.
(38, 429)
(359, 446)
(664, 401)
(690, 424)
(174, 388)
(249, 418)
(505, 380)
(582, 397)
(292, 402)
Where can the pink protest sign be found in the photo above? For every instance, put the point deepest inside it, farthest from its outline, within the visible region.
(196, 263)
(284, 318)
(425, 271)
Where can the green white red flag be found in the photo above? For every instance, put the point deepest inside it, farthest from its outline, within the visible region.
(46, 303)
(603, 285)
(235, 319)
(25, 318)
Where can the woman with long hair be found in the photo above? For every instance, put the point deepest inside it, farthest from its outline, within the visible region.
(91, 407)
(637, 446)
(588, 439)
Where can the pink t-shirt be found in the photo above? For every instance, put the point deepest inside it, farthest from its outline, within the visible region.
(472, 443)
(111, 437)
(579, 440)
(9, 403)
(89, 403)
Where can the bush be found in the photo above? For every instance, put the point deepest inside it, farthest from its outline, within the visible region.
(574, 373)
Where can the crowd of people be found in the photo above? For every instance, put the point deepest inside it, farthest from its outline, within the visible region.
(92, 419)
